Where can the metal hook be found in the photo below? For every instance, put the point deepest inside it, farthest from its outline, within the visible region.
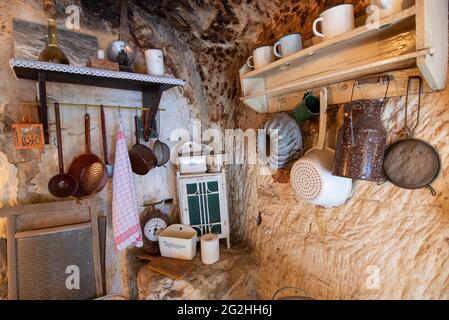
(411, 131)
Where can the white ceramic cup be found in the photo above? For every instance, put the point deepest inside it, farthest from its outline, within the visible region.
(287, 45)
(335, 21)
(155, 62)
(261, 57)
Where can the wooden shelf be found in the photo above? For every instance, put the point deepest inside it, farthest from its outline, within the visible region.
(396, 63)
(404, 40)
(151, 87)
(30, 69)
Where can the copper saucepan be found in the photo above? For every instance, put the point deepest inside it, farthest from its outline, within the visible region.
(142, 158)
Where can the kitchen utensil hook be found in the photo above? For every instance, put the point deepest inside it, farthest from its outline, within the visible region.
(411, 131)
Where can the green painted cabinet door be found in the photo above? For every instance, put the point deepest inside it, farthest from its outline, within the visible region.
(203, 203)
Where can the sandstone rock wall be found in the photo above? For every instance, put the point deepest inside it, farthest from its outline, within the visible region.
(25, 174)
(385, 243)
(401, 236)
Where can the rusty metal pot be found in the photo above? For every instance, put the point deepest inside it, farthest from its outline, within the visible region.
(361, 141)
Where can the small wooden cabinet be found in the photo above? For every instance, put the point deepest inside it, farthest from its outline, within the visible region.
(203, 203)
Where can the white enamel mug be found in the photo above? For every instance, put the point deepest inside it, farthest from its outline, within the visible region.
(261, 57)
(389, 7)
(335, 21)
(155, 62)
(288, 45)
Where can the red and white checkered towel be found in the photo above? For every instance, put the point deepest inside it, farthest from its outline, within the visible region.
(125, 217)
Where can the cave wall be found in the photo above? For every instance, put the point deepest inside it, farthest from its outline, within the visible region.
(385, 243)
(397, 237)
(25, 174)
(401, 235)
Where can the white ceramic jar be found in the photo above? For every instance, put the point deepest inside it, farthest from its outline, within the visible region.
(155, 62)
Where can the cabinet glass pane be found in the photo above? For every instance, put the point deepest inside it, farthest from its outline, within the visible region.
(212, 186)
(191, 188)
(216, 229)
(213, 201)
(193, 203)
(194, 209)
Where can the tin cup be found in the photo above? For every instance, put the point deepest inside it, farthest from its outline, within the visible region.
(307, 109)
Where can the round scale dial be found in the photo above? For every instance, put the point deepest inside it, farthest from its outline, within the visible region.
(152, 222)
(153, 227)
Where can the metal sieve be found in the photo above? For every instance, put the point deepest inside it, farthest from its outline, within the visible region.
(412, 163)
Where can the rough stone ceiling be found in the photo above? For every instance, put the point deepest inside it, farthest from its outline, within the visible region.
(213, 38)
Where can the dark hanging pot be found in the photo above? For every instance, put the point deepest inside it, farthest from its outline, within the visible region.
(361, 141)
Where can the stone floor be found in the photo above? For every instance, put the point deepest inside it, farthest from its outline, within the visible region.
(233, 277)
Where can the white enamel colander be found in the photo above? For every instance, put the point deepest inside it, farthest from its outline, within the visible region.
(311, 176)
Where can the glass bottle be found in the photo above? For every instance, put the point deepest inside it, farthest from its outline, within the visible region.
(52, 53)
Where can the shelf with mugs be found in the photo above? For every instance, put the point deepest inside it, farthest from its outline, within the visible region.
(151, 87)
(408, 42)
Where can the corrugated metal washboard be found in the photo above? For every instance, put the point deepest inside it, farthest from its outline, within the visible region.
(48, 261)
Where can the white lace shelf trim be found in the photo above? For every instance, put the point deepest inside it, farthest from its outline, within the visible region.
(47, 66)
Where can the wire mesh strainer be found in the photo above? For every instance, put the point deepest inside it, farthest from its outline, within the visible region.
(412, 163)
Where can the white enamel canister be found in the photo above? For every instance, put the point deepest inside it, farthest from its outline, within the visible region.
(178, 241)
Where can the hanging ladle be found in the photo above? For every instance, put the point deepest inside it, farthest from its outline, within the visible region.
(63, 184)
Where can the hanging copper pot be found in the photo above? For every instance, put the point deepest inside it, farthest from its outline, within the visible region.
(361, 141)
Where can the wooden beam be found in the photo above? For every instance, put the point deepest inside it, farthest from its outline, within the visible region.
(432, 32)
(3, 252)
(151, 99)
(96, 252)
(49, 207)
(43, 116)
